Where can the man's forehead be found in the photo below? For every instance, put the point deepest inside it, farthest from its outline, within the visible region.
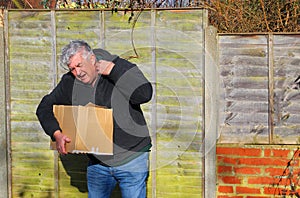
(75, 59)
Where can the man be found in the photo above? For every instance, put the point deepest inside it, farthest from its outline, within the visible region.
(107, 80)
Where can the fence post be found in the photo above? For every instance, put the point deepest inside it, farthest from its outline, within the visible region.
(54, 83)
(3, 124)
(153, 104)
(211, 108)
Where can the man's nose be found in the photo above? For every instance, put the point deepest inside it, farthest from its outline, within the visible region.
(77, 71)
(74, 72)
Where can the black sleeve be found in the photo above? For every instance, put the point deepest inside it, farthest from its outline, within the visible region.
(131, 82)
(61, 95)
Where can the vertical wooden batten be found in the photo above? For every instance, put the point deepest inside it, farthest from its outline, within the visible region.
(102, 29)
(55, 80)
(4, 171)
(271, 86)
(153, 104)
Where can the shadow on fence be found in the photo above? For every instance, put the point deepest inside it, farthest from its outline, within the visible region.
(75, 166)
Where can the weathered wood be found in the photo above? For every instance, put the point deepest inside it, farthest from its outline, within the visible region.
(3, 116)
(173, 60)
(271, 88)
(174, 68)
(30, 78)
(55, 79)
(178, 101)
(153, 121)
(286, 99)
(258, 73)
(244, 81)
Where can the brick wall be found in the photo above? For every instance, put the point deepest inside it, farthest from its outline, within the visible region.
(257, 171)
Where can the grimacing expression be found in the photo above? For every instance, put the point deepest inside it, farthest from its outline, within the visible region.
(84, 68)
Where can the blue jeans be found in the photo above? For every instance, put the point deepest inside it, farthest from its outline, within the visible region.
(131, 178)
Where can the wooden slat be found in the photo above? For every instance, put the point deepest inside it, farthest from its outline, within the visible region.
(3, 116)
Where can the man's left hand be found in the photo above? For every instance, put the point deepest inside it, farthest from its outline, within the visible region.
(104, 67)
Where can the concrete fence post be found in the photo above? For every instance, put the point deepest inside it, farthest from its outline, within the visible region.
(211, 108)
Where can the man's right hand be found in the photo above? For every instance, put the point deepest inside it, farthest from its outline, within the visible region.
(61, 141)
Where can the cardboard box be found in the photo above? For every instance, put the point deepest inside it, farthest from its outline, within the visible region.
(90, 128)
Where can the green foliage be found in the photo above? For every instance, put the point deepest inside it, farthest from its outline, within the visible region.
(45, 3)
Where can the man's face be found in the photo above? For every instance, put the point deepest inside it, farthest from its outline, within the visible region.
(84, 68)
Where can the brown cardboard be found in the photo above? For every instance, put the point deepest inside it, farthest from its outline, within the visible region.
(89, 127)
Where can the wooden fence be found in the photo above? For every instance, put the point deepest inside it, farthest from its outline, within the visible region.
(235, 88)
(170, 49)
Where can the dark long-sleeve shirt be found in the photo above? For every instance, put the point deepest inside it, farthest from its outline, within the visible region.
(123, 90)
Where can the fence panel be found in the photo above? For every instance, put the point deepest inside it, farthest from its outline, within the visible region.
(168, 47)
(260, 99)
(286, 92)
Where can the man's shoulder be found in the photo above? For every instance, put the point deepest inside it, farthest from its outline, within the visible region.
(68, 77)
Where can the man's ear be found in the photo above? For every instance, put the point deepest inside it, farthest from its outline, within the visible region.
(93, 59)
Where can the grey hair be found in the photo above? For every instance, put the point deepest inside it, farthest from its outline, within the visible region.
(73, 48)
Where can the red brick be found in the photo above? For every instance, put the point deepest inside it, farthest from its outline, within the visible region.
(225, 169)
(271, 190)
(281, 153)
(226, 196)
(247, 190)
(276, 153)
(230, 180)
(280, 162)
(239, 151)
(227, 160)
(274, 171)
(225, 189)
(247, 170)
(250, 152)
(281, 181)
(261, 180)
(267, 152)
(278, 191)
(262, 161)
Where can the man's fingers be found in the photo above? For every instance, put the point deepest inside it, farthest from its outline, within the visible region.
(62, 149)
(68, 140)
(61, 144)
(104, 67)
